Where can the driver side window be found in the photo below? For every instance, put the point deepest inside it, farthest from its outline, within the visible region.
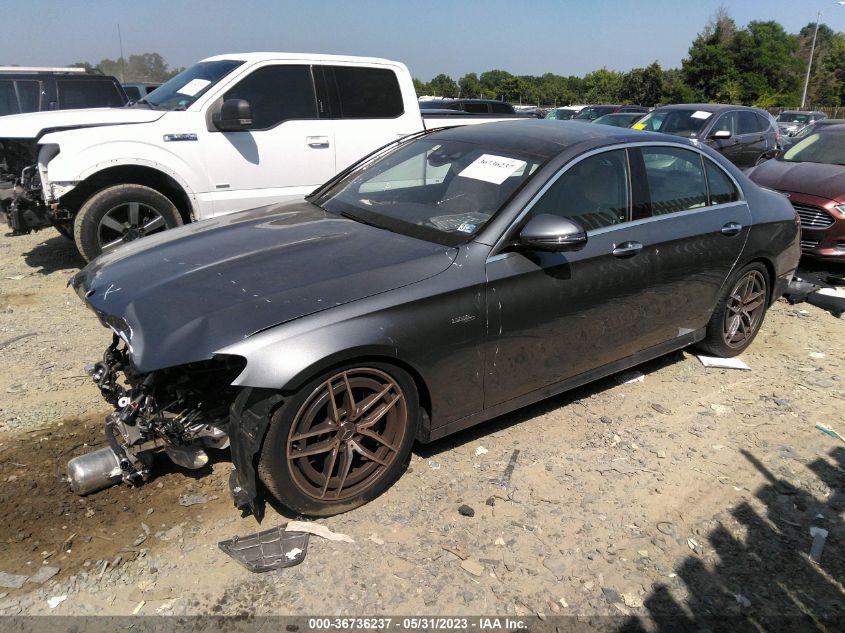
(594, 192)
(276, 94)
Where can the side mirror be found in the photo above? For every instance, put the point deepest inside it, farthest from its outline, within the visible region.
(546, 232)
(721, 134)
(234, 115)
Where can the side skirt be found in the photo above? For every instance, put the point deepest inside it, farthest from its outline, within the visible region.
(566, 385)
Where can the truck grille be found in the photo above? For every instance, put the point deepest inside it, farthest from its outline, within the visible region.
(812, 217)
(807, 245)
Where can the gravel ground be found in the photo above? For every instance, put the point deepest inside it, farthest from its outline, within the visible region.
(689, 494)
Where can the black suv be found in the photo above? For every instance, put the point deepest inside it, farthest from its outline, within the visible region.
(35, 89)
(467, 106)
(745, 136)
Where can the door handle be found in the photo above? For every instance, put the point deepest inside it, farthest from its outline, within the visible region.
(627, 249)
(317, 141)
(731, 228)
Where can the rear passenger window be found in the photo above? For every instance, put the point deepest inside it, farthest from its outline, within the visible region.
(594, 192)
(763, 122)
(8, 99)
(276, 94)
(29, 95)
(368, 93)
(675, 179)
(500, 108)
(475, 108)
(722, 188)
(133, 92)
(748, 122)
(88, 94)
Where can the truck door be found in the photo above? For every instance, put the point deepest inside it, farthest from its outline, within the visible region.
(287, 152)
(367, 109)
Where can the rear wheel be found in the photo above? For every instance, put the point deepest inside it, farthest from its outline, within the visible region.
(341, 440)
(120, 214)
(739, 313)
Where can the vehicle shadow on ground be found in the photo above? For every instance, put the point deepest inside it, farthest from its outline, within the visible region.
(766, 581)
(54, 254)
(569, 398)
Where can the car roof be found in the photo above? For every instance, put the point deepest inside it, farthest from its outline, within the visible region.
(549, 137)
(707, 107)
(264, 56)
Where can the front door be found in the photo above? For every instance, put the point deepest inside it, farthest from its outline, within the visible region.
(731, 148)
(552, 316)
(287, 152)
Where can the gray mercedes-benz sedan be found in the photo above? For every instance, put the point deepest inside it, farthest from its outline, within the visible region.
(446, 279)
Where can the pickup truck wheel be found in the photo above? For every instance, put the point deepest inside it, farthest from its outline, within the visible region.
(119, 214)
(341, 440)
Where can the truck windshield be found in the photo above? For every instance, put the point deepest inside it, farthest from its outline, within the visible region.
(443, 191)
(182, 90)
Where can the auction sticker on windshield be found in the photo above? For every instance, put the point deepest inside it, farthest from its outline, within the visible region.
(191, 88)
(492, 168)
(700, 114)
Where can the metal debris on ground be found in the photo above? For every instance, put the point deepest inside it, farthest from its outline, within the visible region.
(267, 550)
(317, 530)
(723, 363)
(816, 291)
(819, 537)
(505, 481)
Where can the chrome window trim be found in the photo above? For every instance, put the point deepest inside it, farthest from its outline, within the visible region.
(494, 252)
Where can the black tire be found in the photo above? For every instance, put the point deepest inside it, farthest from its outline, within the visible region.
(726, 320)
(88, 229)
(282, 474)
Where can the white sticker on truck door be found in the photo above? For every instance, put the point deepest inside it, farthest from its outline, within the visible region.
(492, 168)
(193, 87)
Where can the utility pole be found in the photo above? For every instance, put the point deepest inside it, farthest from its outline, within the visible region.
(123, 60)
(810, 63)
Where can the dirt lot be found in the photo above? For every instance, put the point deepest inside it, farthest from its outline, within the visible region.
(690, 494)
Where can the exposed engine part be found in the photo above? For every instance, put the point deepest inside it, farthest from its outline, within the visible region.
(94, 471)
(180, 411)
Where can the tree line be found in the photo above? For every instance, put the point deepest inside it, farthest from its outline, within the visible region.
(139, 68)
(761, 65)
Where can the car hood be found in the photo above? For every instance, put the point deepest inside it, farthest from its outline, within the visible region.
(181, 295)
(34, 124)
(815, 179)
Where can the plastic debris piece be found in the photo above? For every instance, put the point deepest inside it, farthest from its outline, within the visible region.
(819, 537)
(55, 601)
(267, 550)
(829, 431)
(317, 530)
(480, 451)
(723, 363)
(138, 607)
(630, 377)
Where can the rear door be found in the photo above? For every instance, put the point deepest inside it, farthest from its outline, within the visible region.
(698, 233)
(366, 108)
(286, 154)
(752, 138)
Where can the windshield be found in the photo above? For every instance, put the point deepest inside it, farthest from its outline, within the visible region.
(189, 85)
(443, 191)
(594, 112)
(561, 114)
(687, 123)
(793, 117)
(818, 148)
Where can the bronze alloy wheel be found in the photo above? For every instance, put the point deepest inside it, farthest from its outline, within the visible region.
(346, 434)
(744, 308)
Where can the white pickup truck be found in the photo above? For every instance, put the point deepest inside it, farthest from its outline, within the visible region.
(231, 132)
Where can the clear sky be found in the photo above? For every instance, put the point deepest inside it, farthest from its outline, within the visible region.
(430, 36)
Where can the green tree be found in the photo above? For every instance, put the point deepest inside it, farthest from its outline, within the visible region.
(444, 86)
(603, 86)
(421, 88)
(643, 86)
(141, 68)
(470, 85)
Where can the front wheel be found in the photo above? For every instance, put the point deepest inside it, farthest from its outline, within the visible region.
(341, 440)
(739, 313)
(119, 214)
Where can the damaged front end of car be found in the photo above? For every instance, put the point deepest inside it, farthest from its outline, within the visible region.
(22, 198)
(179, 411)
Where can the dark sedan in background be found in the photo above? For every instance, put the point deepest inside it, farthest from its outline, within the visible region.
(591, 113)
(791, 122)
(812, 174)
(745, 136)
(447, 279)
